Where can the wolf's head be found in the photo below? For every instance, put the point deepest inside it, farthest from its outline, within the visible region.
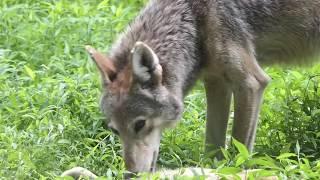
(137, 104)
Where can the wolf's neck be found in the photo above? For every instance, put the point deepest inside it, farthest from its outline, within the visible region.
(170, 29)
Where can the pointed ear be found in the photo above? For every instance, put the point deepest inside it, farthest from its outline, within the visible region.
(105, 65)
(146, 67)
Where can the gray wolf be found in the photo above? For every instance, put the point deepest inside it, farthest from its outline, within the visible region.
(172, 43)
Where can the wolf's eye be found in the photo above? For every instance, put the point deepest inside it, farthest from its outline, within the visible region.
(139, 125)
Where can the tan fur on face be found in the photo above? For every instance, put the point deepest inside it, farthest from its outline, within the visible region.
(122, 84)
(104, 64)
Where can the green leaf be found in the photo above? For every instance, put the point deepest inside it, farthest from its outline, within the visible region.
(296, 74)
(64, 141)
(318, 165)
(241, 148)
(261, 173)
(30, 72)
(264, 162)
(315, 112)
(225, 153)
(286, 155)
(103, 4)
(240, 160)
(229, 170)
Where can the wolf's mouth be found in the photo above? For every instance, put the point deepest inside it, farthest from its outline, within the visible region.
(130, 175)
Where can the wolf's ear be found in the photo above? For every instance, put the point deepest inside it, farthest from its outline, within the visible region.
(146, 67)
(105, 65)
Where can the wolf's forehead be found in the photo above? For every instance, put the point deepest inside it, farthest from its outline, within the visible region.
(129, 107)
(111, 101)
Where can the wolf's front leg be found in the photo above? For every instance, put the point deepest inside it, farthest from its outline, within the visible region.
(248, 92)
(218, 105)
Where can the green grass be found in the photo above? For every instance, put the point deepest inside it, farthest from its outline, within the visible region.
(49, 92)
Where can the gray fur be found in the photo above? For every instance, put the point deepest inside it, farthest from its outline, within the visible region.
(225, 40)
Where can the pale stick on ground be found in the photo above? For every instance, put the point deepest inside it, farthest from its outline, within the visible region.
(171, 174)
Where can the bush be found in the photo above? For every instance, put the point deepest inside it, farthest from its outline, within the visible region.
(291, 113)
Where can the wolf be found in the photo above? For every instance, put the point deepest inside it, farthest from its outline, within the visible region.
(173, 43)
